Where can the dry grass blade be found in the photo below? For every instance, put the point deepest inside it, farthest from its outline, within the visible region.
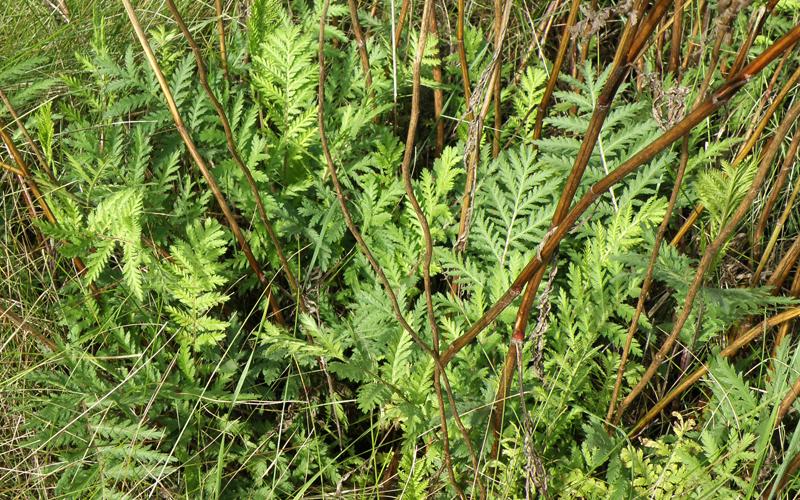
(223, 52)
(729, 351)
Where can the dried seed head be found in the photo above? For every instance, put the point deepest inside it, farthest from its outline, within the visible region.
(728, 10)
(595, 20)
(669, 107)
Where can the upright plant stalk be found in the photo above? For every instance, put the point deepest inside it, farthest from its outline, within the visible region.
(234, 152)
(691, 45)
(711, 253)
(438, 95)
(364, 248)
(408, 155)
(541, 110)
(755, 29)
(462, 54)
(223, 53)
(362, 44)
(401, 20)
(199, 161)
(783, 174)
(536, 44)
(714, 63)
(553, 238)
(677, 39)
(646, 27)
(471, 150)
(497, 95)
(581, 52)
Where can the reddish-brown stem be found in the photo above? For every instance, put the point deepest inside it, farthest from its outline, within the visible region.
(789, 399)
(744, 151)
(702, 111)
(29, 203)
(26, 195)
(755, 29)
(723, 24)
(625, 54)
(550, 242)
(536, 43)
(465, 82)
(498, 409)
(687, 225)
(779, 483)
(677, 39)
(784, 328)
(405, 168)
(580, 54)
(472, 149)
(692, 45)
(541, 110)
(756, 114)
(448, 459)
(11, 169)
(646, 27)
(438, 95)
(25, 177)
(362, 44)
(401, 20)
(784, 267)
(199, 161)
(712, 65)
(348, 219)
(24, 325)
